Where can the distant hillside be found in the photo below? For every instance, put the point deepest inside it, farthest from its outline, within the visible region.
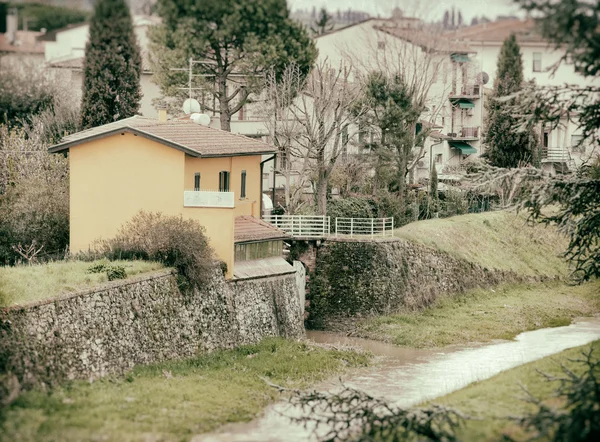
(496, 240)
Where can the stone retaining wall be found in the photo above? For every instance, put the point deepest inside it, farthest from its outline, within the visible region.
(109, 329)
(357, 278)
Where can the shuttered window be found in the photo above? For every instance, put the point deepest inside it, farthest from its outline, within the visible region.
(197, 181)
(224, 181)
(243, 189)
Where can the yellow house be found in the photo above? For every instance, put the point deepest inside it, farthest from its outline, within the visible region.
(174, 167)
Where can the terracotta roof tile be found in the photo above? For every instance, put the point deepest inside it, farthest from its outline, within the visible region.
(248, 228)
(498, 31)
(190, 137)
(27, 43)
(426, 39)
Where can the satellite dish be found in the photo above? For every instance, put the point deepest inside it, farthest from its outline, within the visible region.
(201, 119)
(483, 78)
(191, 106)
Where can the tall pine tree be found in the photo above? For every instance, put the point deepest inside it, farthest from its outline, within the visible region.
(112, 66)
(507, 146)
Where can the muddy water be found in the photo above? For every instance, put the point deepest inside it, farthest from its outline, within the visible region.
(408, 377)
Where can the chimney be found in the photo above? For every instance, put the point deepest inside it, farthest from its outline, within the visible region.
(162, 113)
(12, 25)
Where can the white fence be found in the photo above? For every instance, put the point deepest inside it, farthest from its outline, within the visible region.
(320, 226)
(372, 227)
(301, 225)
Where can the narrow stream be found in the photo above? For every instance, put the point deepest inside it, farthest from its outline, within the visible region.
(408, 377)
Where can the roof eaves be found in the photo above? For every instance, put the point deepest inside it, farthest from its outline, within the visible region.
(124, 129)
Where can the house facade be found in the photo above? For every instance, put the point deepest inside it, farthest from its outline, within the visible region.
(174, 167)
(560, 147)
(446, 70)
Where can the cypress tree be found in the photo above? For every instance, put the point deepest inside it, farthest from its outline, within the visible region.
(507, 146)
(112, 66)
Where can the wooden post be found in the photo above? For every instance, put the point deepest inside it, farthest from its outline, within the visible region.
(372, 221)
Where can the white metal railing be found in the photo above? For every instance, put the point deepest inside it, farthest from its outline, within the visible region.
(207, 198)
(555, 154)
(372, 227)
(301, 225)
(320, 226)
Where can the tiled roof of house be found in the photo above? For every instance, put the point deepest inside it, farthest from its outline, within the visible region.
(26, 43)
(498, 31)
(247, 228)
(428, 40)
(76, 63)
(189, 137)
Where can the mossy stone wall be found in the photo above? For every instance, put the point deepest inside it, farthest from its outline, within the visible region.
(109, 329)
(356, 278)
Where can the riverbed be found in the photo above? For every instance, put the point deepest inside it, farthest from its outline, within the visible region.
(408, 377)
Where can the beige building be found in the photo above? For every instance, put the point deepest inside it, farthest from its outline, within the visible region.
(174, 167)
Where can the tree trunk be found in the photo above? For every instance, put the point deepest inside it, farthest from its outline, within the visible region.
(224, 111)
(322, 193)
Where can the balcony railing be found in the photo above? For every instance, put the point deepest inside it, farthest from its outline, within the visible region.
(321, 227)
(208, 198)
(466, 90)
(465, 133)
(555, 155)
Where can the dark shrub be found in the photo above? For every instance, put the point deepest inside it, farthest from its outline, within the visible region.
(171, 240)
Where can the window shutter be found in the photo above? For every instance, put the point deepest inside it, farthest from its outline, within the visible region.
(197, 181)
(243, 190)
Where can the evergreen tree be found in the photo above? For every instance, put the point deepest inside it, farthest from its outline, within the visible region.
(507, 146)
(112, 66)
(446, 21)
(474, 21)
(453, 21)
(229, 39)
(323, 24)
(460, 19)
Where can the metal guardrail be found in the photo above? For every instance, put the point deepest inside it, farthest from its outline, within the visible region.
(301, 225)
(373, 227)
(320, 226)
(555, 154)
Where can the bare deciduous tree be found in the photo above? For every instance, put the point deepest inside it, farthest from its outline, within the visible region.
(284, 129)
(323, 110)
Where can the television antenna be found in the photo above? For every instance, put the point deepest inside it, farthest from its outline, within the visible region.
(191, 105)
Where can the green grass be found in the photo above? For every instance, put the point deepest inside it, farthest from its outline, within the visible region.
(173, 400)
(495, 240)
(483, 315)
(501, 396)
(24, 284)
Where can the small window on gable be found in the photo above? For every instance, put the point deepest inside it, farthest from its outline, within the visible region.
(243, 189)
(381, 45)
(224, 181)
(537, 62)
(197, 181)
(438, 158)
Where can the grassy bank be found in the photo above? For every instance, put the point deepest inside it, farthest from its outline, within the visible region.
(174, 400)
(495, 240)
(483, 315)
(24, 284)
(497, 398)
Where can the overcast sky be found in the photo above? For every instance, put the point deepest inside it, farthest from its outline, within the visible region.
(426, 9)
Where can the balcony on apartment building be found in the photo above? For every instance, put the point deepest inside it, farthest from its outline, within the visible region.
(555, 155)
(465, 133)
(466, 91)
(208, 198)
